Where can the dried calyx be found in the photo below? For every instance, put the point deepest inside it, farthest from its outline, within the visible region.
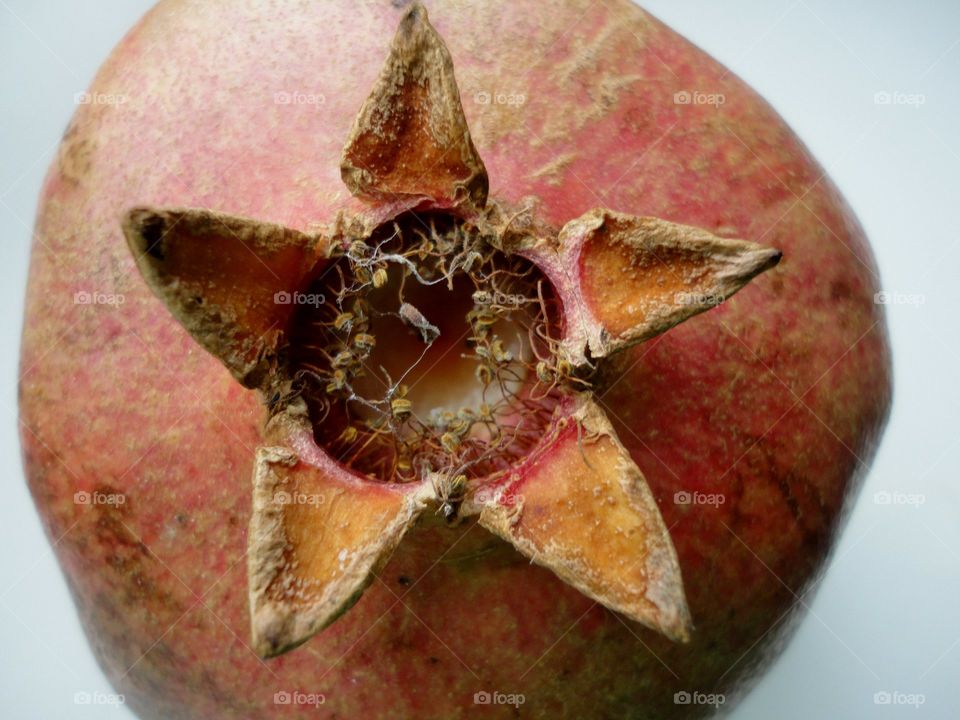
(436, 352)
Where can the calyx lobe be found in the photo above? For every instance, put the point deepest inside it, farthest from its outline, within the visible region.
(583, 509)
(411, 137)
(316, 536)
(628, 279)
(228, 280)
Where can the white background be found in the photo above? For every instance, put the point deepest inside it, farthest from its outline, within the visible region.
(887, 616)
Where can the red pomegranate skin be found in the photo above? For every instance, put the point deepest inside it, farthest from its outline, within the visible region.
(775, 399)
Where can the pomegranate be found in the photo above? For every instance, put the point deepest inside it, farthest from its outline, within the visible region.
(471, 482)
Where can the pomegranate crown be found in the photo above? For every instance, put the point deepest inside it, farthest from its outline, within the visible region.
(351, 334)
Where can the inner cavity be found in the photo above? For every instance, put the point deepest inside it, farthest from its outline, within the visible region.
(426, 350)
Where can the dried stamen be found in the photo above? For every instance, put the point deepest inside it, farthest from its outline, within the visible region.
(485, 316)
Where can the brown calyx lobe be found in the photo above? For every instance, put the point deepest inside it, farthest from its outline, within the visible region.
(410, 138)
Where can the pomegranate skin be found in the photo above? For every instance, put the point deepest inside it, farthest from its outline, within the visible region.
(775, 400)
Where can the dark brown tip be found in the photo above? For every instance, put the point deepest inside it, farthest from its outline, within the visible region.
(415, 16)
(145, 230)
